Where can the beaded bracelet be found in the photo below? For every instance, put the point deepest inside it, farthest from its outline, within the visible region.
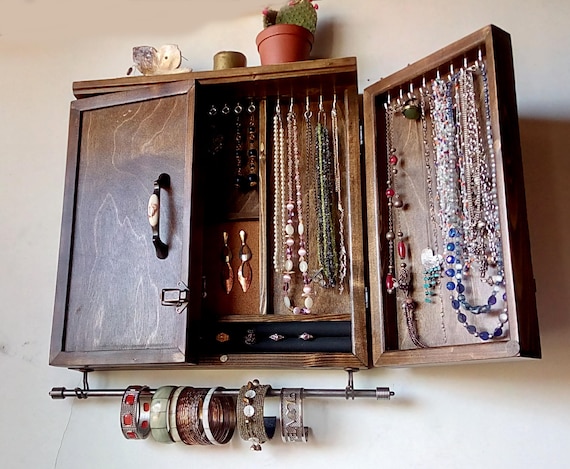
(249, 413)
(135, 412)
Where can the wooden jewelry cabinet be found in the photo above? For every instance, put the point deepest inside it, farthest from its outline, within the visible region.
(198, 287)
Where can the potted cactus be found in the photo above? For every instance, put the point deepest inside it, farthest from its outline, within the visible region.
(288, 33)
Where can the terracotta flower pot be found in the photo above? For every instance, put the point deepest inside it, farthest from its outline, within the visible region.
(281, 43)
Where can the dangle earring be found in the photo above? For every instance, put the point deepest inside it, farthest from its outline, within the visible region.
(252, 161)
(216, 138)
(240, 181)
(227, 274)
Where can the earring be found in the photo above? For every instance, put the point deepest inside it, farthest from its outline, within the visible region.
(240, 181)
(227, 271)
(252, 177)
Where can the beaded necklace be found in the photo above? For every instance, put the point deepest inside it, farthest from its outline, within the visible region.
(294, 188)
(464, 196)
(279, 191)
(327, 254)
(431, 259)
(403, 281)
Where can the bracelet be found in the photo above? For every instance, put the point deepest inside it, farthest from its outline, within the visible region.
(249, 412)
(188, 420)
(135, 412)
(159, 407)
(218, 416)
(172, 427)
(292, 429)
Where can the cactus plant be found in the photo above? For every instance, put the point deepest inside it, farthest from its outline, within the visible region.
(300, 12)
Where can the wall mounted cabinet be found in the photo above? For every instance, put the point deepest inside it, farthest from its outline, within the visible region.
(202, 283)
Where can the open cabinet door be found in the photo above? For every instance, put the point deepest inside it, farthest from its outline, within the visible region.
(450, 270)
(129, 162)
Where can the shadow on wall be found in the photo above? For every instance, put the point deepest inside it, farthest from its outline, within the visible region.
(546, 171)
(546, 166)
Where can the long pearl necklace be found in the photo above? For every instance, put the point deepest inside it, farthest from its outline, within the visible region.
(279, 181)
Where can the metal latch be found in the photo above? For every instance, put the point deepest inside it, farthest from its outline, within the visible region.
(177, 297)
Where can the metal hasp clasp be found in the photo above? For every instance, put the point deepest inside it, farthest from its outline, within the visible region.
(177, 297)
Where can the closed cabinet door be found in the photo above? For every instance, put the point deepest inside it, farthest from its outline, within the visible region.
(124, 248)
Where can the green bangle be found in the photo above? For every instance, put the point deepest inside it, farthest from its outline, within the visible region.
(172, 410)
(159, 414)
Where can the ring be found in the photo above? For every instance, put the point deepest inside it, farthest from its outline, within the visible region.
(306, 336)
(250, 339)
(276, 337)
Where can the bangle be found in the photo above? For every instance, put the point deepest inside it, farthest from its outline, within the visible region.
(172, 427)
(249, 413)
(218, 416)
(159, 407)
(135, 412)
(188, 419)
(292, 429)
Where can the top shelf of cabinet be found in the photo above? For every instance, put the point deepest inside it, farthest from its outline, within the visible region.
(267, 79)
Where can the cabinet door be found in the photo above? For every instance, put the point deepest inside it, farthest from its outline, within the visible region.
(451, 280)
(108, 309)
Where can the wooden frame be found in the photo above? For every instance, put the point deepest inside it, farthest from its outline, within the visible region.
(492, 45)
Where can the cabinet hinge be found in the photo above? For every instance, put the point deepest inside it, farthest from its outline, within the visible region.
(177, 297)
(361, 133)
(366, 297)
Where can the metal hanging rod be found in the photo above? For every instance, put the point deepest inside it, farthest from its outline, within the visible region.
(380, 393)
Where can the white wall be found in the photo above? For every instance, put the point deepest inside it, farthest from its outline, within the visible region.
(506, 415)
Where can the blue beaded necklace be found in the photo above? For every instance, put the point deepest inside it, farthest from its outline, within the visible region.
(458, 164)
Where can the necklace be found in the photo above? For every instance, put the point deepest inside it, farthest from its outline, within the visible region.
(464, 200)
(337, 187)
(294, 187)
(279, 181)
(327, 254)
(403, 281)
(430, 257)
